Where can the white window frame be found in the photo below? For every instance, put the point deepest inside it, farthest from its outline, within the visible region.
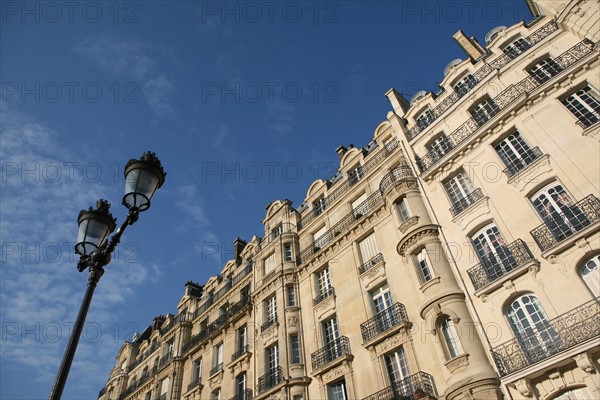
(451, 338)
(590, 274)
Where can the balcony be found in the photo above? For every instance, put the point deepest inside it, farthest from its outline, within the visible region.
(270, 380)
(383, 321)
(417, 386)
(195, 383)
(330, 352)
(558, 227)
(398, 174)
(268, 324)
(216, 368)
(466, 202)
(167, 358)
(370, 264)
(327, 293)
(243, 350)
(528, 157)
(144, 356)
(563, 332)
(496, 265)
(245, 395)
(506, 99)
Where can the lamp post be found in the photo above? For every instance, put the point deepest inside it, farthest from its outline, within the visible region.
(142, 178)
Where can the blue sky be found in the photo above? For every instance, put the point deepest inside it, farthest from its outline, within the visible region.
(244, 103)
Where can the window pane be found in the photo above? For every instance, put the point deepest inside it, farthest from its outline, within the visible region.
(590, 273)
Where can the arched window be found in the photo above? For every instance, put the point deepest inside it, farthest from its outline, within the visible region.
(493, 251)
(590, 273)
(582, 393)
(528, 320)
(449, 333)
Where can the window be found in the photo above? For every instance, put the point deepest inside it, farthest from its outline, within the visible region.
(164, 388)
(559, 212)
(241, 386)
(451, 339)
(355, 174)
(287, 252)
(217, 358)
(290, 293)
(277, 231)
(484, 111)
(425, 119)
(196, 370)
(496, 258)
(170, 348)
(516, 48)
(359, 207)
(324, 287)
(590, 273)
(368, 248)
(403, 211)
(424, 269)
(582, 393)
(331, 336)
(336, 391)
(544, 70)
(294, 349)
(515, 153)
(147, 396)
(216, 394)
(271, 358)
(584, 104)
(439, 147)
(109, 397)
(385, 315)
(460, 190)
(319, 238)
(242, 339)
(397, 369)
(465, 85)
(269, 264)
(271, 309)
(319, 205)
(536, 336)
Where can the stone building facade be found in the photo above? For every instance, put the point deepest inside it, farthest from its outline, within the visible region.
(456, 256)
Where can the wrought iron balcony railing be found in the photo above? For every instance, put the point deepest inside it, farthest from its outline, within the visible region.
(343, 186)
(563, 332)
(144, 356)
(528, 157)
(466, 202)
(414, 387)
(268, 323)
(245, 395)
(327, 293)
(384, 320)
(398, 174)
(487, 68)
(240, 352)
(270, 380)
(504, 100)
(558, 227)
(193, 384)
(167, 358)
(502, 261)
(216, 368)
(370, 264)
(331, 351)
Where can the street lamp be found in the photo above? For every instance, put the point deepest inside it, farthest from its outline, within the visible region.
(142, 178)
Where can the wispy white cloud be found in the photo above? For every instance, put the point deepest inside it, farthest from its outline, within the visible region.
(280, 117)
(157, 91)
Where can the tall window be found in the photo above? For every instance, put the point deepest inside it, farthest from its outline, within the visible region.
(385, 315)
(331, 336)
(484, 111)
(359, 207)
(319, 205)
(319, 238)
(515, 153)
(368, 248)
(164, 388)
(439, 147)
(558, 211)
(465, 85)
(271, 358)
(294, 349)
(355, 174)
(516, 48)
(337, 391)
(324, 287)
(277, 231)
(584, 104)
(269, 264)
(450, 335)
(242, 339)
(271, 310)
(460, 190)
(531, 327)
(495, 256)
(217, 358)
(287, 252)
(290, 293)
(425, 119)
(403, 210)
(397, 369)
(241, 385)
(424, 269)
(545, 69)
(216, 394)
(196, 370)
(590, 273)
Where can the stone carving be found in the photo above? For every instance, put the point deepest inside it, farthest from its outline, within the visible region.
(524, 387)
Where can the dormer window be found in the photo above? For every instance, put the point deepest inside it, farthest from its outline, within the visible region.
(425, 119)
(355, 174)
(319, 205)
(465, 85)
(516, 48)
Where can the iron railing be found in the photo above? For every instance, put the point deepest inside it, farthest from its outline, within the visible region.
(561, 333)
(416, 386)
(144, 356)
(558, 227)
(268, 323)
(327, 293)
(370, 264)
(241, 351)
(136, 384)
(215, 369)
(244, 395)
(270, 379)
(499, 263)
(382, 321)
(331, 351)
(526, 158)
(505, 99)
(286, 227)
(487, 68)
(193, 384)
(363, 209)
(344, 186)
(398, 174)
(167, 358)
(466, 202)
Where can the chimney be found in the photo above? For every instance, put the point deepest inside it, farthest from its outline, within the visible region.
(341, 150)
(469, 45)
(399, 103)
(238, 247)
